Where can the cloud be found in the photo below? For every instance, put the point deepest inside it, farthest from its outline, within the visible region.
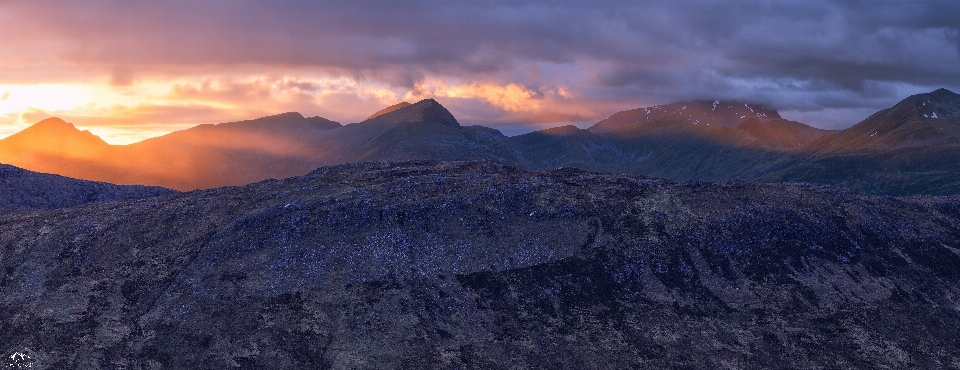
(510, 97)
(121, 76)
(496, 62)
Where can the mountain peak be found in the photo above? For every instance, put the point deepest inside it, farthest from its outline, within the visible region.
(53, 123)
(54, 127)
(424, 111)
(699, 112)
(282, 121)
(938, 104)
(917, 121)
(54, 135)
(943, 91)
(389, 109)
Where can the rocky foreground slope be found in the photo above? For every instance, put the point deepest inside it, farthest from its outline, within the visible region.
(477, 265)
(21, 189)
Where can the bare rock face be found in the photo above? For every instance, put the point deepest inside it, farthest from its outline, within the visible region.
(478, 265)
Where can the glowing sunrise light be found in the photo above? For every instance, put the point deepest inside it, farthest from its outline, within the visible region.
(509, 97)
(153, 107)
(48, 97)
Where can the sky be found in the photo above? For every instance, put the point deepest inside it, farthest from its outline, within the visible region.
(133, 69)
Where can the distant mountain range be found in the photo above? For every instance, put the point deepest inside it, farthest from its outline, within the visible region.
(911, 148)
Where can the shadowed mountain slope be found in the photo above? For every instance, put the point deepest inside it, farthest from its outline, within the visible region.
(424, 111)
(921, 120)
(233, 153)
(780, 133)
(21, 189)
(469, 265)
(910, 148)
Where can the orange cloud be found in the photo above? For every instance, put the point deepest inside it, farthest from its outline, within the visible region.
(144, 108)
(510, 97)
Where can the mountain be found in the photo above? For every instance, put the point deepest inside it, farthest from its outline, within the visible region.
(389, 109)
(479, 265)
(53, 135)
(731, 123)
(910, 148)
(699, 112)
(673, 142)
(21, 189)
(204, 156)
(237, 153)
(921, 120)
(780, 133)
(233, 153)
(427, 111)
(53, 146)
(424, 130)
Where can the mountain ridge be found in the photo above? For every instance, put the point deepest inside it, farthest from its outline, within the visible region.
(719, 113)
(55, 135)
(388, 109)
(911, 122)
(675, 141)
(21, 189)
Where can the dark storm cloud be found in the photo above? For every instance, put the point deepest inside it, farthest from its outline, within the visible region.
(796, 55)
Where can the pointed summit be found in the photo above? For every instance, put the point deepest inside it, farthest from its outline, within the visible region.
(54, 135)
(424, 111)
(52, 123)
(938, 104)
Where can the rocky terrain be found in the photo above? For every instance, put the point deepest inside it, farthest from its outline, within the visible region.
(21, 189)
(478, 265)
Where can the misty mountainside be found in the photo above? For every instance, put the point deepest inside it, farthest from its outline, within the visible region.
(204, 156)
(479, 265)
(21, 189)
(238, 153)
(910, 148)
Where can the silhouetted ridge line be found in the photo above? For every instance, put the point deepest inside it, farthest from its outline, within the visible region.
(910, 148)
(389, 109)
(424, 111)
(22, 189)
